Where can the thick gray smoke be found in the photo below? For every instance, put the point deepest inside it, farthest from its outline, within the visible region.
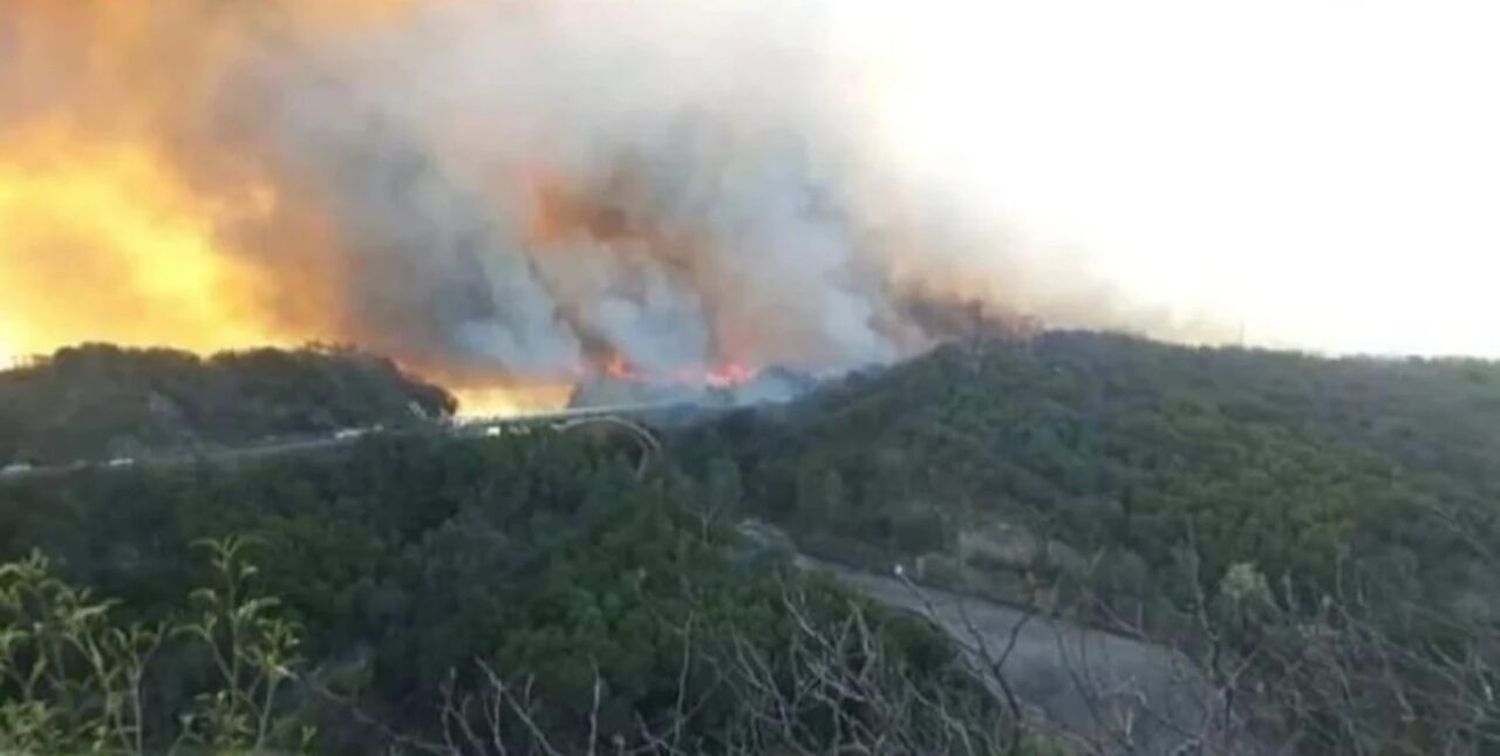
(698, 162)
(535, 189)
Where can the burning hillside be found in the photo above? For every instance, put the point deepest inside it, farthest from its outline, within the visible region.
(503, 196)
(727, 384)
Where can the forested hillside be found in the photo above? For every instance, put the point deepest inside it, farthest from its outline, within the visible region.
(1143, 486)
(93, 401)
(1105, 442)
(1316, 538)
(430, 595)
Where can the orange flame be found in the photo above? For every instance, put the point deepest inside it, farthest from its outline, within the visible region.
(118, 224)
(507, 401)
(618, 367)
(101, 243)
(729, 375)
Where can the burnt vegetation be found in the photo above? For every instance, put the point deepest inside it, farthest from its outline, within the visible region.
(1316, 540)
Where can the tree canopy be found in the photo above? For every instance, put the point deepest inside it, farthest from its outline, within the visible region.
(1319, 535)
(95, 401)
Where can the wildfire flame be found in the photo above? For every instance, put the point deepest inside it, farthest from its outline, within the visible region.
(729, 375)
(102, 243)
(106, 243)
(724, 375)
(449, 184)
(508, 401)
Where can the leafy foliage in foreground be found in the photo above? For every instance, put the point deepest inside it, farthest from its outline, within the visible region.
(424, 570)
(76, 679)
(1319, 535)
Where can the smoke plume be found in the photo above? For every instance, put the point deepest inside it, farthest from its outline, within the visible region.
(491, 192)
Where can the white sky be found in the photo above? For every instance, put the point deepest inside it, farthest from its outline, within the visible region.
(1326, 171)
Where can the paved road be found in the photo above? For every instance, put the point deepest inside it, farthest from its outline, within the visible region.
(1122, 694)
(1133, 697)
(161, 461)
(1130, 696)
(466, 427)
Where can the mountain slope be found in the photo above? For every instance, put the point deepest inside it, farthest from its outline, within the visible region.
(1320, 535)
(98, 400)
(1116, 457)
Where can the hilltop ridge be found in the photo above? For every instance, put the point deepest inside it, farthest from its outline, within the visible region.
(98, 400)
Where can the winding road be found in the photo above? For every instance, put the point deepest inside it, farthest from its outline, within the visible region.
(1124, 695)
(1121, 694)
(615, 415)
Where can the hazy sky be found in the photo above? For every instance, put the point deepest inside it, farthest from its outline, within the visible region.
(1326, 171)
